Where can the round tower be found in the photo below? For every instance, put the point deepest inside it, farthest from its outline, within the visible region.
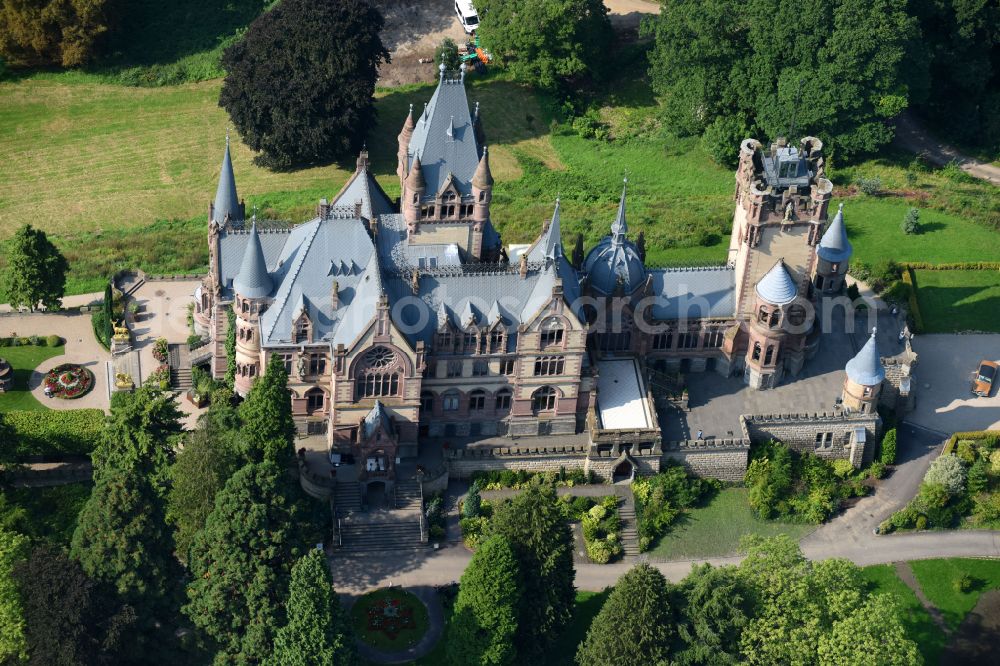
(863, 384)
(832, 256)
(252, 288)
(413, 191)
(773, 311)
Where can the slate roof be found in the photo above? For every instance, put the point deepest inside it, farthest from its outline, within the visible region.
(834, 246)
(777, 286)
(363, 187)
(253, 280)
(378, 416)
(615, 258)
(866, 368)
(226, 199)
(693, 293)
(444, 139)
(549, 244)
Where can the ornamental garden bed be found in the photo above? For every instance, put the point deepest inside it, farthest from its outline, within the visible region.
(389, 619)
(68, 381)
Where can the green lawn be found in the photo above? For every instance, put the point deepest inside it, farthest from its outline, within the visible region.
(379, 638)
(916, 620)
(24, 360)
(959, 300)
(716, 529)
(937, 578)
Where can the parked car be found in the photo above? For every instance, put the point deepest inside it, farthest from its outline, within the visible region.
(467, 15)
(982, 383)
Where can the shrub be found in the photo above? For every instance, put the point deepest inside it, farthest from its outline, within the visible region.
(887, 455)
(843, 468)
(870, 186)
(473, 502)
(978, 478)
(876, 470)
(964, 584)
(966, 450)
(590, 126)
(597, 512)
(853, 292)
(911, 222)
(53, 341)
(447, 53)
(723, 137)
(905, 517)
(995, 462)
(160, 350)
(473, 530)
(986, 507)
(52, 432)
(921, 523)
(948, 472)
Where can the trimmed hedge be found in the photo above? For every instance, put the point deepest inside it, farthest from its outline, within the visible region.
(975, 435)
(955, 266)
(910, 281)
(32, 341)
(55, 432)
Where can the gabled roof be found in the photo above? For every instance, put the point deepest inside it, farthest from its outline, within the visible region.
(693, 293)
(777, 286)
(834, 246)
(363, 187)
(866, 368)
(253, 280)
(377, 418)
(549, 244)
(445, 140)
(226, 200)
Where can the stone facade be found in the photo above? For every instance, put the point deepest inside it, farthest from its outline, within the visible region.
(828, 435)
(724, 459)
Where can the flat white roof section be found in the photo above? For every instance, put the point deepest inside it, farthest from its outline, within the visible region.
(621, 396)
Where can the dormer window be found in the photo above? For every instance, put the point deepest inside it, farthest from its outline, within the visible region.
(444, 341)
(496, 341)
(471, 342)
(551, 333)
(302, 330)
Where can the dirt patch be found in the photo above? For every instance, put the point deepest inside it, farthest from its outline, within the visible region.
(977, 637)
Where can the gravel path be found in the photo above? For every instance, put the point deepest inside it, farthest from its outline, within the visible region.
(912, 136)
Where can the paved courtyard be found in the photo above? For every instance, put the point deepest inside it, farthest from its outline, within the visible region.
(943, 376)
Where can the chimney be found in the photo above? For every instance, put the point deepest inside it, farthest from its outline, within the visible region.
(523, 269)
(335, 295)
(415, 282)
(323, 209)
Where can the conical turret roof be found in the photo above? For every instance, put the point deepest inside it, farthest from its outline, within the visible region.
(415, 179)
(253, 280)
(866, 368)
(777, 286)
(483, 177)
(834, 246)
(226, 200)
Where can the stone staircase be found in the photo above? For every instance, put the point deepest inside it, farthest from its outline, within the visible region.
(408, 495)
(629, 527)
(376, 537)
(180, 372)
(347, 498)
(218, 344)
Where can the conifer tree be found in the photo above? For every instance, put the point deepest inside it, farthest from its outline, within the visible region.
(635, 625)
(240, 564)
(578, 252)
(318, 632)
(485, 617)
(268, 427)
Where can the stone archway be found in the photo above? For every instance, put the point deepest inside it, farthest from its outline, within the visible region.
(377, 495)
(623, 472)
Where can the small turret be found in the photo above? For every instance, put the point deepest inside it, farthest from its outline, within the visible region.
(227, 208)
(253, 280)
(865, 374)
(483, 178)
(833, 254)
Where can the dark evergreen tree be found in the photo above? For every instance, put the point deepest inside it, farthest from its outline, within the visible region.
(318, 632)
(140, 432)
(35, 271)
(635, 624)
(713, 605)
(546, 42)
(268, 427)
(108, 309)
(578, 256)
(473, 503)
(485, 618)
(299, 86)
(240, 564)
(536, 528)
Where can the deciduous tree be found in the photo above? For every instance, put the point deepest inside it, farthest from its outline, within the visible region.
(318, 632)
(545, 42)
(13, 550)
(240, 563)
(485, 618)
(713, 606)
(35, 272)
(52, 32)
(268, 427)
(872, 634)
(537, 530)
(299, 85)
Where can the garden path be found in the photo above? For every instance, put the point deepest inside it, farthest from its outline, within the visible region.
(911, 135)
(905, 574)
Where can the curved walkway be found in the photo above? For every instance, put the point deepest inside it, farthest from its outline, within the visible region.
(435, 627)
(911, 135)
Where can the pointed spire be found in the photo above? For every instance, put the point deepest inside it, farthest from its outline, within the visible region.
(415, 179)
(253, 280)
(619, 228)
(483, 178)
(834, 246)
(552, 243)
(441, 70)
(461, 72)
(866, 368)
(226, 200)
(777, 286)
(409, 124)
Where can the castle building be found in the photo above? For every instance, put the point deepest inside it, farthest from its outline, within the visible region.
(403, 323)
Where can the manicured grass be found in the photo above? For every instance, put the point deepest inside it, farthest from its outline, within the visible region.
(44, 513)
(938, 577)
(716, 529)
(24, 360)
(588, 605)
(959, 300)
(882, 579)
(379, 639)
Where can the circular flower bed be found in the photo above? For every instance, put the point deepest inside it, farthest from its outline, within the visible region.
(68, 381)
(389, 619)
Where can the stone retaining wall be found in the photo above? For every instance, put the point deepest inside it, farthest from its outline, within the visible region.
(723, 459)
(829, 435)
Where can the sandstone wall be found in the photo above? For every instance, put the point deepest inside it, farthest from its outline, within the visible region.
(725, 459)
(838, 435)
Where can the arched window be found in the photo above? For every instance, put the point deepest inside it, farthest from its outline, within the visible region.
(543, 400)
(315, 399)
(450, 401)
(762, 314)
(503, 400)
(379, 374)
(769, 356)
(775, 318)
(426, 401)
(477, 400)
(756, 351)
(551, 333)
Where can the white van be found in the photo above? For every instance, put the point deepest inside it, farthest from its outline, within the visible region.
(467, 15)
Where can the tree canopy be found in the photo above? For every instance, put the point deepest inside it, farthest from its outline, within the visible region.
(537, 530)
(485, 617)
(139, 432)
(299, 85)
(13, 550)
(268, 427)
(713, 606)
(634, 626)
(240, 563)
(52, 32)
(318, 632)
(36, 271)
(545, 42)
(840, 70)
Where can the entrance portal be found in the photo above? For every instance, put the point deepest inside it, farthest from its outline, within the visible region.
(376, 495)
(624, 471)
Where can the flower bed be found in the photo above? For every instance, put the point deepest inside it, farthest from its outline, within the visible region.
(389, 619)
(68, 381)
